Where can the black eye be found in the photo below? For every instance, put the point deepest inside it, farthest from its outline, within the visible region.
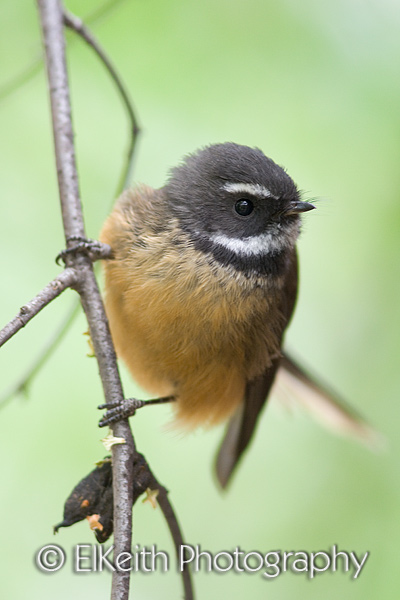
(244, 207)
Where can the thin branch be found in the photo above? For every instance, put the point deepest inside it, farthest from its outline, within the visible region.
(51, 17)
(173, 524)
(79, 274)
(53, 37)
(33, 68)
(25, 380)
(122, 453)
(78, 26)
(144, 479)
(66, 279)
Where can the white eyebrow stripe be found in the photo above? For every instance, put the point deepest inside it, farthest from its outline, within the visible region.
(264, 243)
(250, 188)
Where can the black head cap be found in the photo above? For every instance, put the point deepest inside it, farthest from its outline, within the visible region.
(203, 190)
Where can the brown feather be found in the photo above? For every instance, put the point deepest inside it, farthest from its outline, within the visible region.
(242, 425)
(184, 324)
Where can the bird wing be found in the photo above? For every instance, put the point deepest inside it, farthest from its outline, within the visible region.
(242, 425)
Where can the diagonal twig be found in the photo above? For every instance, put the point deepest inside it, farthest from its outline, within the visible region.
(173, 524)
(78, 26)
(24, 381)
(34, 67)
(68, 278)
(145, 479)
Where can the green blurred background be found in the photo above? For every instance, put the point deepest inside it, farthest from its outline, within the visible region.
(316, 85)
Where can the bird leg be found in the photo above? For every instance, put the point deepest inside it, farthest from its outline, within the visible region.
(116, 411)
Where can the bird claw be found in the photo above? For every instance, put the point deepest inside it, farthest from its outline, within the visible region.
(94, 249)
(117, 411)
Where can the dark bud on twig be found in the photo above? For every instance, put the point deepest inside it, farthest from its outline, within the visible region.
(92, 499)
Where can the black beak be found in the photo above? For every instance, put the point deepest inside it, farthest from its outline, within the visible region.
(297, 207)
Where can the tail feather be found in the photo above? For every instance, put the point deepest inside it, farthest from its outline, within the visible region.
(323, 404)
(294, 383)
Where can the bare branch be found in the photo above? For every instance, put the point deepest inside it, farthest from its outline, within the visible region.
(53, 38)
(143, 479)
(78, 26)
(34, 67)
(66, 279)
(173, 524)
(24, 381)
(51, 17)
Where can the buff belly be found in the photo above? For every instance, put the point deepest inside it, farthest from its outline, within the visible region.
(184, 349)
(184, 328)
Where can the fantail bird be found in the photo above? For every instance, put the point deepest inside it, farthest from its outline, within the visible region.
(202, 285)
